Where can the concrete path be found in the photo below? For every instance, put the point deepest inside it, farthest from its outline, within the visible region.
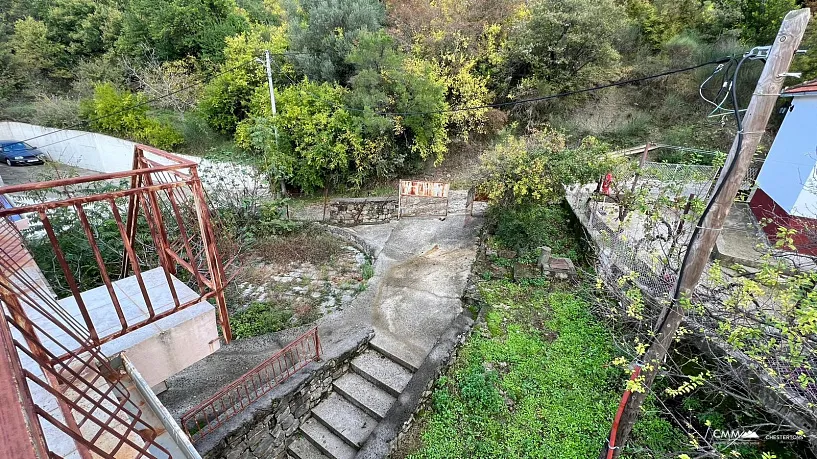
(421, 270)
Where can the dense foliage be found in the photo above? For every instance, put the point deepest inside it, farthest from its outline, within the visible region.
(400, 72)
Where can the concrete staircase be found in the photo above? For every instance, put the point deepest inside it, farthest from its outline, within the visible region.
(341, 423)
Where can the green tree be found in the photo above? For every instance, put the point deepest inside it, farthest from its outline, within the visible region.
(808, 63)
(180, 28)
(83, 27)
(327, 30)
(535, 168)
(33, 53)
(318, 141)
(389, 81)
(126, 114)
(760, 19)
(227, 100)
(563, 44)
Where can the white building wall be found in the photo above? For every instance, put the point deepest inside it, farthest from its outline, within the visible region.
(787, 175)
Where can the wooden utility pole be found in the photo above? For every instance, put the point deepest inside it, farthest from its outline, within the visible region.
(754, 125)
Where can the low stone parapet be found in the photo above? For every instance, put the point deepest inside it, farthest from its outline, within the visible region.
(362, 211)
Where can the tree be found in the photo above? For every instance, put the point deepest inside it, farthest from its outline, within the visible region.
(388, 81)
(326, 30)
(318, 140)
(760, 19)
(535, 168)
(84, 28)
(124, 113)
(180, 28)
(808, 63)
(33, 52)
(227, 100)
(563, 45)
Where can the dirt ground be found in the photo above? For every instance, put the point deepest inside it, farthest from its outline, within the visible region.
(18, 175)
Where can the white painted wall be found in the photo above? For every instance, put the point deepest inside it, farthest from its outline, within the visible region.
(88, 150)
(787, 175)
(103, 153)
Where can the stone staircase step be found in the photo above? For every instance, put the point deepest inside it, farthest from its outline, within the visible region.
(327, 442)
(382, 372)
(301, 448)
(374, 401)
(397, 352)
(345, 420)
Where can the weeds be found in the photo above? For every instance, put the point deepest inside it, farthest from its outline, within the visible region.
(521, 390)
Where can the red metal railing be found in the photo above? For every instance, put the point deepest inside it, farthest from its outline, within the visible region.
(163, 208)
(209, 415)
(72, 401)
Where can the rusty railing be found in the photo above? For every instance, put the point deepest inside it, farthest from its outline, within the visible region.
(230, 401)
(72, 402)
(162, 209)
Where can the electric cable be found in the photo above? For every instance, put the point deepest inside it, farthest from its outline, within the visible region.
(701, 220)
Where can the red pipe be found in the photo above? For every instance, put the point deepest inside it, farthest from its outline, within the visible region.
(611, 444)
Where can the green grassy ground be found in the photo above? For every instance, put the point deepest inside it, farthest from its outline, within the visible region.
(534, 381)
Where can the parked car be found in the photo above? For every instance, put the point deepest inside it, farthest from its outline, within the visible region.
(17, 153)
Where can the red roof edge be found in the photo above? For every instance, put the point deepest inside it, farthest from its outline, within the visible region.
(808, 86)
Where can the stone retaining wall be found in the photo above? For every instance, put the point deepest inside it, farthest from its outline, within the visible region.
(267, 427)
(359, 211)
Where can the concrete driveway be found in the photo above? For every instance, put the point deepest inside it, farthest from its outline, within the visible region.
(421, 271)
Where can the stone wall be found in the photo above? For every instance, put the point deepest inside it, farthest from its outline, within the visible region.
(267, 428)
(359, 211)
(393, 429)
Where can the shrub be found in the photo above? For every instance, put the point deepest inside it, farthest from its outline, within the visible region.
(259, 319)
(536, 168)
(126, 114)
(531, 226)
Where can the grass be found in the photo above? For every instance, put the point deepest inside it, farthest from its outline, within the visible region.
(309, 245)
(260, 318)
(535, 381)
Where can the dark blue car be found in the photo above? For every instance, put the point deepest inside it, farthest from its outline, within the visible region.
(17, 153)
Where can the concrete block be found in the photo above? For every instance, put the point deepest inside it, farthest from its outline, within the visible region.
(382, 372)
(345, 420)
(328, 443)
(365, 395)
(301, 448)
(544, 258)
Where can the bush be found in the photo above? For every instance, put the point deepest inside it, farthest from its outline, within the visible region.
(126, 114)
(536, 168)
(528, 227)
(260, 319)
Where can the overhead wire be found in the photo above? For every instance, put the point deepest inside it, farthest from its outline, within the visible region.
(719, 186)
(387, 113)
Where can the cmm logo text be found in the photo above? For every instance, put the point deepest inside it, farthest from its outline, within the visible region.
(735, 435)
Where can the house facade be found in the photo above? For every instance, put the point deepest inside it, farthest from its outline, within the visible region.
(786, 187)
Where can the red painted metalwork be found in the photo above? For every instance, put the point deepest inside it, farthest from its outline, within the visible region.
(55, 366)
(772, 217)
(161, 192)
(93, 410)
(212, 413)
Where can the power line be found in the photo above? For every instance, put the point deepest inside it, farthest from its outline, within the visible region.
(387, 113)
(561, 94)
(533, 99)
